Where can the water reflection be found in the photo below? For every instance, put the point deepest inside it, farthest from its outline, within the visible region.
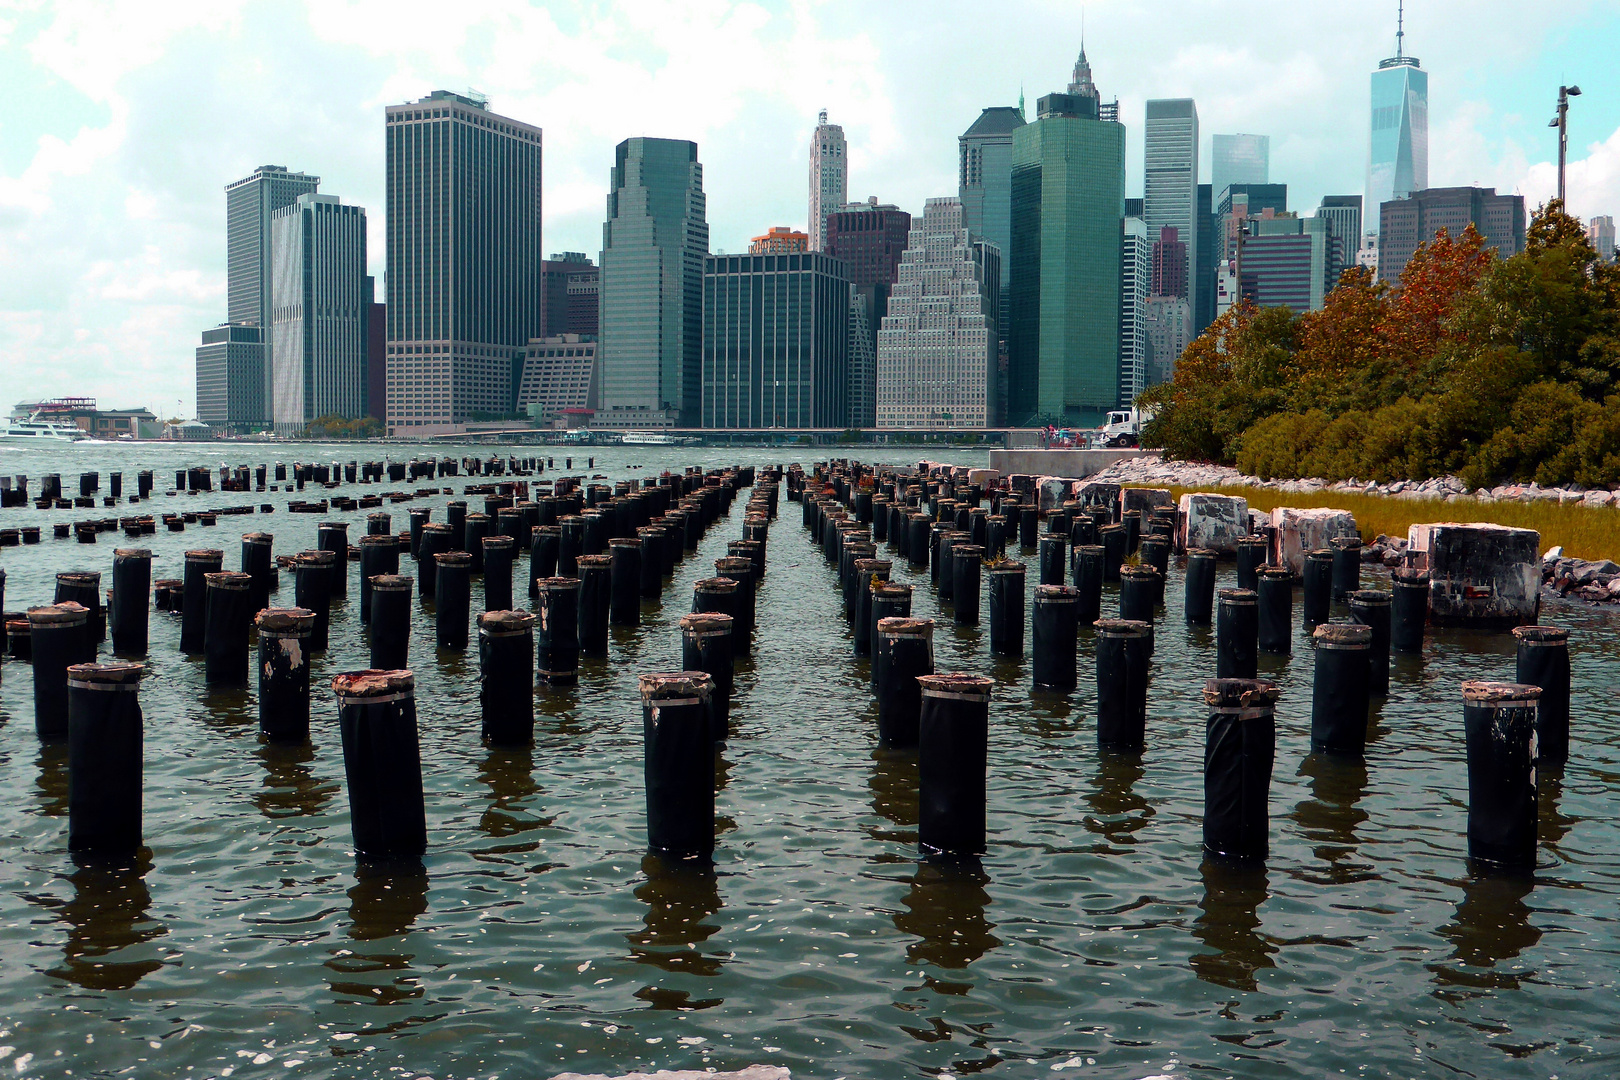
(1117, 811)
(946, 913)
(228, 707)
(682, 898)
(290, 788)
(384, 903)
(893, 784)
(107, 924)
(1553, 825)
(52, 782)
(1227, 924)
(1330, 817)
(508, 772)
(1492, 926)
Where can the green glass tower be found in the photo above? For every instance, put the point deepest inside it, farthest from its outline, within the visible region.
(1068, 206)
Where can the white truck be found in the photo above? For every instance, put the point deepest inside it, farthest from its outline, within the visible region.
(1124, 427)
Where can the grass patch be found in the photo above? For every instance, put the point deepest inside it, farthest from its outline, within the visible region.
(1584, 532)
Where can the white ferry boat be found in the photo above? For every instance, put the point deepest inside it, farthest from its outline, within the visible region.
(39, 429)
(653, 438)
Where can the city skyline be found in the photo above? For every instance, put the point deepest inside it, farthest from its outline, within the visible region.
(98, 160)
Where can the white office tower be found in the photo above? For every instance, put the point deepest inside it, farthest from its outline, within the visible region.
(829, 178)
(1135, 275)
(320, 300)
(937, 344)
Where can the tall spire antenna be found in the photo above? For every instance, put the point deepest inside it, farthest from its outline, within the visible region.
(1400, 26)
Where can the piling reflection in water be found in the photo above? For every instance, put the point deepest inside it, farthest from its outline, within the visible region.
(1553, 824)
(52, 782)
(1118, 812)
(290, 787)
(1329, 818)
(1228, 925)
(384, 903)
(108, 928)
(893, 784)
(509, 775)
(946, 911)
(682, 898)
(1491, 928)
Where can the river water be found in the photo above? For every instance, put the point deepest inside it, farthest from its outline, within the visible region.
(1093, 942)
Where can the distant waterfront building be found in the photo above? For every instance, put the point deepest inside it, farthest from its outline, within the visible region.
(230, 378)
(1601, 233)
(829, 178)
(1169, 263)
(869, 239)
(1169, 331)
(1170, 196)
(937, 346)
(654, 243)
(559, 378)
(464, 286)
(320, 310)
(1136, 265)
(1406, 223)
(1398, 154)
(1238, 159)
(779, 240)
(570, 281)
(984, 184)
(1068, 202)
(249, 203)
(775, 341)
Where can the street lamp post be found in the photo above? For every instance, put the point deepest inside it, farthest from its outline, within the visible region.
(1561, 122)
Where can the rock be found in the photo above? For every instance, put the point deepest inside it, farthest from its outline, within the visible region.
(1145, 499)
(1215, 522)
(1302, 530)
(1553, 554)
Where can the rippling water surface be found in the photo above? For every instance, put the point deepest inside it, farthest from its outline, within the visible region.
(1094, 941)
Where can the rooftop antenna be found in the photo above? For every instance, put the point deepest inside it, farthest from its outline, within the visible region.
(1400, 27)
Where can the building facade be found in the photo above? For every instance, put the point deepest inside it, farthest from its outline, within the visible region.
(1203, 283)
(1600, 231)
(654, 243)
(376, 356)
(1238, 159)
(1170, 194)
(320, 308)
(464, 288)
(1343, 215)
(1398, 146)
(779, 240)
(1406, 223)
(559, 276)
(1169, 263)
(230, 378)
(984, 184)
(559, 379)
(1169, 324)
(1068, 202)
(775, 341)
(1136, 263)
(869, 239)
(829, 178)
(937, 346)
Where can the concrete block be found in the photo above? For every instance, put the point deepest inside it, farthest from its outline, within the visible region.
(1145, 499)
(1054, 491)
(1099, 494)
(1481, 575)
(1302, 530)
(1215, 522)
(985, 478)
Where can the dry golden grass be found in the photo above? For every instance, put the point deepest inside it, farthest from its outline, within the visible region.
(1583, 532)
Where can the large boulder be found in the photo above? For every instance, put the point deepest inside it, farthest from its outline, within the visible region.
(1215, 522)
(1305, 529)
(985, 478)
(1480, 574)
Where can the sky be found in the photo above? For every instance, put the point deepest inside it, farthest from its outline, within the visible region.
(125, 121)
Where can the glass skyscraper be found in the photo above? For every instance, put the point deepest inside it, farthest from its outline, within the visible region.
(465, 292)
(775, 341)
(320, 309)
(1398, 158)
(1170, 194)
(653, 246)
(1238, 159)
(1068, 202)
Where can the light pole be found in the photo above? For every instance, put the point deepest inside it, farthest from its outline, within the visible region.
(1561, 122)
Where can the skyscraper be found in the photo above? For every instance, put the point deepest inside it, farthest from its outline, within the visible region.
(1169, 264)
(249, 202)
(1406, 223)
(1600, 231)
(1169, 331)
(937, 348)
(231, 383)
(984, 184)
(1170, 196)
(869, 239)
(1398, 156)
(320, 309)
(829, 178)
(1239, 159)
(1343, 215)
(775, 341)
(465, 292)
(1135, 265)
(1068, 199)
(653, 245)
(560, 274)
(1203, 282)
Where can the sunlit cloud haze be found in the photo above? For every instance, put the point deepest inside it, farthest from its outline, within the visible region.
(123, 121)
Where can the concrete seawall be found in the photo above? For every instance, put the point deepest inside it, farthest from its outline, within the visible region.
(1075, 464)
